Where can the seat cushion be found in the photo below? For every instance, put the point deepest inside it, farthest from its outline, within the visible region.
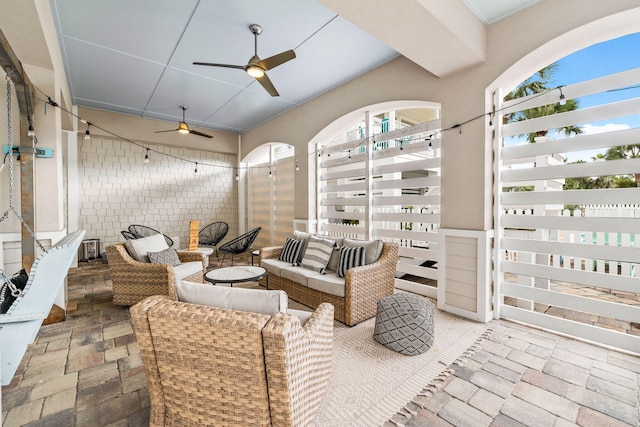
(327, 283)
(138, 248)
(186, 269)
(298, 274)
(242, 299)
(273, 265)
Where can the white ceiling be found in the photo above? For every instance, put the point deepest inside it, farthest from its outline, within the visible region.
(135, 56)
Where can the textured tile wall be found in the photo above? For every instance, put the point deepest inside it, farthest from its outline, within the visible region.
(117, 189)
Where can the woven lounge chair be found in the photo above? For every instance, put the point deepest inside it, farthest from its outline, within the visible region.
(212, 234)
(240, 244)
(133, 280)
(143, 231)
(210, 366)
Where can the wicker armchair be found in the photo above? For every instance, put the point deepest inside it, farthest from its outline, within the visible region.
(133, 281)
(260, 370)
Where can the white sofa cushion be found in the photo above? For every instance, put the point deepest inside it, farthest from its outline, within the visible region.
(186, 269)
(274, 266)
(252, 300)
(138, 248)
(298, 274)
(327, 283)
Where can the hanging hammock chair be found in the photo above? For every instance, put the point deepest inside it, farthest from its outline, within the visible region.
(21, 323)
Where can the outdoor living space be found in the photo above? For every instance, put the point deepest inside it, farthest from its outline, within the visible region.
(469, 166)
(87, 371)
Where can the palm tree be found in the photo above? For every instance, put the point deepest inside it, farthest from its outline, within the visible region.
(624, 152)
(538, 83)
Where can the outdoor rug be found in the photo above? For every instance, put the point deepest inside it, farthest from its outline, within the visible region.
(371, 383)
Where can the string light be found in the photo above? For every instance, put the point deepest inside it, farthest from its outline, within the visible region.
(270, 175)
(563, 101)
(146, 157)
(297, 166)
(31, 132)
(491, 120)
(50, 102)
(237, 176)
(87, 134)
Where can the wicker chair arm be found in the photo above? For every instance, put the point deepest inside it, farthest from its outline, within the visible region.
(365, 285)
(270, 252)
(186, 256)
(298, 364)
(142, 330)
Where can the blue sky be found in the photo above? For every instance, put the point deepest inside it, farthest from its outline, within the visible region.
(599, 60)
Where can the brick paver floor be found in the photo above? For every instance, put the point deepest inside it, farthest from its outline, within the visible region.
(87, 371)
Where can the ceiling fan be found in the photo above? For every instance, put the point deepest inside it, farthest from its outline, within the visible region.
(184, 128)
(257, 67)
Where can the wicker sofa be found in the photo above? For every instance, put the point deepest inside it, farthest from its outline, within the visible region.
(354, 297)
(134, 280)
(211, 366)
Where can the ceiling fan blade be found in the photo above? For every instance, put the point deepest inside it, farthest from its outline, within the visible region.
(275, 60)
(239, 67)
(266, 83)
(195, 132)
(162, 131)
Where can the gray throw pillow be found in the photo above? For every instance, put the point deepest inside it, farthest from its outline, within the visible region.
(168, 256)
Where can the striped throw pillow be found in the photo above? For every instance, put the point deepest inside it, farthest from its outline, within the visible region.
(291, 250)
(316, 256)
(349, 258)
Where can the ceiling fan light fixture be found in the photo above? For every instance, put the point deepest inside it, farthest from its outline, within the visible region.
(183, 128)
(255, 71)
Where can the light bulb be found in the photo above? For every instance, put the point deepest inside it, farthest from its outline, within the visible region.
(255, 71)
(237, 177)
(87, 135)
(31, 132)
(146, 157)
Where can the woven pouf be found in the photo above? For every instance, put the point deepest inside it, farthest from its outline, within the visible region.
(404, 323)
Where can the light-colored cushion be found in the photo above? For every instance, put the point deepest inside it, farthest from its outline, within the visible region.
(169, 256)
(291, 250)
(318, 252)
(186, 269)
(298, 274)
(252, 300)
(373, 248)
(335, 256)
(328, 283)
(138, 248)
(350, 258)
(302, 315)
(273, 266)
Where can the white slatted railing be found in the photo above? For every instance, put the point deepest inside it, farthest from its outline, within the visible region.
(398, 182)
(572, 272)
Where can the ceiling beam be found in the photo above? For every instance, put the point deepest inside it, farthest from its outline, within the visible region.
(443, 37)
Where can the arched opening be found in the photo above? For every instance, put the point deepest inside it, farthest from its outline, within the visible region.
(565, 251)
